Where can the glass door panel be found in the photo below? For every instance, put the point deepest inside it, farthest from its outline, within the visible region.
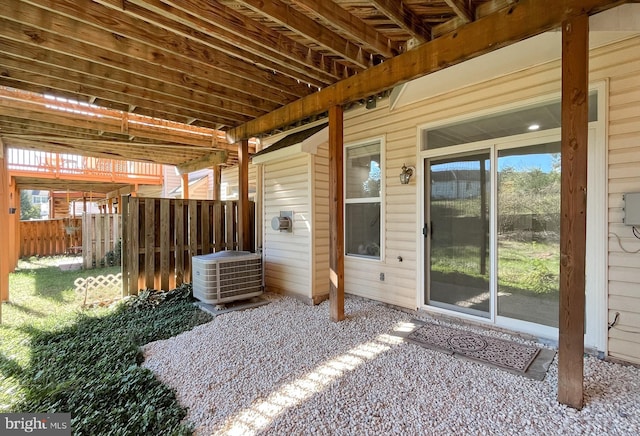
(458, 211)
(529, 233)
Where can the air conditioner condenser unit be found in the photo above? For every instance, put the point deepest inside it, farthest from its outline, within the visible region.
(226, 276)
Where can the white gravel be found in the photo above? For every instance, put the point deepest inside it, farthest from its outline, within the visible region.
(286, 369)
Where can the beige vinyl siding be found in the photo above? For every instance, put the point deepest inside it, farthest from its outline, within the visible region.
(320, 225)
(624, 176)
(287, 256)
(171, 180)
(229, 179)
(618, 63)
(199, 190)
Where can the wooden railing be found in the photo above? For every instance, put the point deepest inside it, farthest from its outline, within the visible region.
(70, 166)
(50, 237)
(159, 237)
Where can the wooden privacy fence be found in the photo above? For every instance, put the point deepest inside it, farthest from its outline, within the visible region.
(50, 237)
(159, 237)
(101, 234)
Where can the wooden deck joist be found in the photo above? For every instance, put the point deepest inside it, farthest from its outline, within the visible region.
(509, 25)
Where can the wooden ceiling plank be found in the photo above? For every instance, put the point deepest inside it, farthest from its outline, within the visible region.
(24, 71)
(254, 37)
(507, 26)
(147, 42)
(35, 36)
(230, 42)
(462, 9)
(125, 82)
(404, 18)
(354, 27)
(298, 22)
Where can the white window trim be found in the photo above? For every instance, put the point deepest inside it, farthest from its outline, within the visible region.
(381, 140)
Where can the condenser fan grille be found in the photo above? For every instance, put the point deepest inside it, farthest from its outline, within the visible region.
(226, 276)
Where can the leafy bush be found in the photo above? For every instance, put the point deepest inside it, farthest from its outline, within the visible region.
(114, 257)
(90, 369)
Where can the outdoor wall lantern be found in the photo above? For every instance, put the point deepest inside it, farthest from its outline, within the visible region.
(406, 174)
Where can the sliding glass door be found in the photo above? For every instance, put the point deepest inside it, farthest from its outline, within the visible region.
(528, 233)
(458, 252)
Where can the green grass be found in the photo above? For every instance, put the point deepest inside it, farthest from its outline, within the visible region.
(57, 357)
(524, 267)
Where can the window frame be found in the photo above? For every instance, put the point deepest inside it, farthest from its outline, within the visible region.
(380, 140)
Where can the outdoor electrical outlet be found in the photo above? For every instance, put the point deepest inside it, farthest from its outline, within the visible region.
(382, 277)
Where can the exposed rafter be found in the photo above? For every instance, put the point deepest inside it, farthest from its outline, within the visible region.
(405, 18)
(463, 9)
(355, 28)
(296, 21)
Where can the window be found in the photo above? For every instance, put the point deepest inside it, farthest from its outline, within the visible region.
(363, 178)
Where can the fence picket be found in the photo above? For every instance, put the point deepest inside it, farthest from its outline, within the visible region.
(45, 238)
(133, 254)
(149, 242)
(165, 221)
(125, 245)
(178, 226)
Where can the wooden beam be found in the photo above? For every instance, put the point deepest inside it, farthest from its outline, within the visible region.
(211, 159)
(336, 214)
(403, 17)
(298, 22)
(244, 233)
(573, 209)
(351, 25)
(505, 27)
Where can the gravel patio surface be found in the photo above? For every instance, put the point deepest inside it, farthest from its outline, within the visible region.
(286, 369)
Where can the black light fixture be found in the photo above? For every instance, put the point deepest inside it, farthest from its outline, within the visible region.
(406, 174)
(371, 102)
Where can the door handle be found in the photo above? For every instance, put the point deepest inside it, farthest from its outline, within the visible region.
(427, 230)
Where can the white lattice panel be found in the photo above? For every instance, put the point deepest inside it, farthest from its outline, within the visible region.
(98, 283)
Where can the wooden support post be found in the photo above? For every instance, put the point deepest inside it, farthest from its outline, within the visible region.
(575, 93)
(4, 228)
(217, 180)
(244, 233)
(336, 214)
(52, 206)
(185, 186)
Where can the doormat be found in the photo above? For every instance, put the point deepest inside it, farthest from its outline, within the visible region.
(504, 354)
